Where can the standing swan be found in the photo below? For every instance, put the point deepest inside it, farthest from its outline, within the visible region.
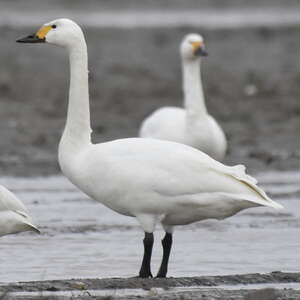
(14, 217)
(192, 125)
(152, 180)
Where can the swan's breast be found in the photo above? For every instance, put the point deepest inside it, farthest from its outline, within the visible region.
(167, 123)
(206, 135)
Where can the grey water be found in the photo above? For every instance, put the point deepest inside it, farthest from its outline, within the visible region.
(81, 238)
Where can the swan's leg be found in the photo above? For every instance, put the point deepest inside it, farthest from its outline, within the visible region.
(167, 244)
(145, 270)
(148, 223)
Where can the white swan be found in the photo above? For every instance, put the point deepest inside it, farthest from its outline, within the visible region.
(152, 180)
(14, 216)
(192, 125)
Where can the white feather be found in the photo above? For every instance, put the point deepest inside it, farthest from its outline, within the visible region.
(14, 216)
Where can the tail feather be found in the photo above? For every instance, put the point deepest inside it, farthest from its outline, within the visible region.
(27, 220)
(239, 173)
(33, 227)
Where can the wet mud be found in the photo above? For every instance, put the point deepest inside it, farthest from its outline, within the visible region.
(251, 81)
(232, 287)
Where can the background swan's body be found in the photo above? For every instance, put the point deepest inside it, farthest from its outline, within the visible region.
(152, 180)
(14, 216)
(172, 124)
(192, 125)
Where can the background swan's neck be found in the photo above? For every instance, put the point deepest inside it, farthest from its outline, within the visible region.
(78, 130)
(192, 87)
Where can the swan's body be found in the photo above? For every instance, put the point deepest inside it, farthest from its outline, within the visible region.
(138, 177)
(192, 125)
(14, 216)
(152, 180)
(171, 123)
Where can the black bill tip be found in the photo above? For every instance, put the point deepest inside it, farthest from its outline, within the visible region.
(31, 39)
(201, 52)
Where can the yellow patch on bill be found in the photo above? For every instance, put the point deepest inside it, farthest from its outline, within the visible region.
(197, 45)
(42, 32)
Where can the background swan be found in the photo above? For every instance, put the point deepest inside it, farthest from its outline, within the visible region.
(14, 216)
(191, 125)
(155, 181)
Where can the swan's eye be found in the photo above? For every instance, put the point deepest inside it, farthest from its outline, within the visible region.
(54, 26)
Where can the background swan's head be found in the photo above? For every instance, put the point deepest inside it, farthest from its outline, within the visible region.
(61, 32)
(192, 47)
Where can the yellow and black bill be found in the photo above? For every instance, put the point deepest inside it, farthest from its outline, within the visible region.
(199, 49)
(39, 37)
(201, 52)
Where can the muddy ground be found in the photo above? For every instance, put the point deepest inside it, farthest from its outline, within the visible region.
(200, 288)
(251, 80)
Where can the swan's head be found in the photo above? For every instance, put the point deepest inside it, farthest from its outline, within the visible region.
(192, 47)
(61, 32)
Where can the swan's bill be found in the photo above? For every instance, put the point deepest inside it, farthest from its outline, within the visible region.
(39, 37)
(199, 49)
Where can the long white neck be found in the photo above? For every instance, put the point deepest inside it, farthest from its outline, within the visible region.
(192, 87)
(77, 131)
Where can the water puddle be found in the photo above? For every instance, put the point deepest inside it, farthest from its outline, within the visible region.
(81, 238)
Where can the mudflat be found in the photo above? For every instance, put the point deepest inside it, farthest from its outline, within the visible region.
(205, 287)
(251, 79)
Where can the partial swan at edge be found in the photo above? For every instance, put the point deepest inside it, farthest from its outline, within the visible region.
(14, 217)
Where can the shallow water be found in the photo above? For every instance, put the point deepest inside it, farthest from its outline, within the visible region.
(81, 238)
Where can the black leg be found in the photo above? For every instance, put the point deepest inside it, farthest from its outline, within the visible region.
(167, 244)
(145, 271)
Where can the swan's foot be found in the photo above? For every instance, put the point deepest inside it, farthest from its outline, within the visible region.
(145, 274)
(141, 276)
(167, 244)
(145, 271)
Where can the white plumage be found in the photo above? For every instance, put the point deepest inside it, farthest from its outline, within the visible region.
(155, 181)
(14, 216)
(191, 125)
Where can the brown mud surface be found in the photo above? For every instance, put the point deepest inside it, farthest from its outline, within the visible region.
(168, 288)
(251, 80)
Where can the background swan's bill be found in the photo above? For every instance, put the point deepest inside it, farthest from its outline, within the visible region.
(201, 52)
